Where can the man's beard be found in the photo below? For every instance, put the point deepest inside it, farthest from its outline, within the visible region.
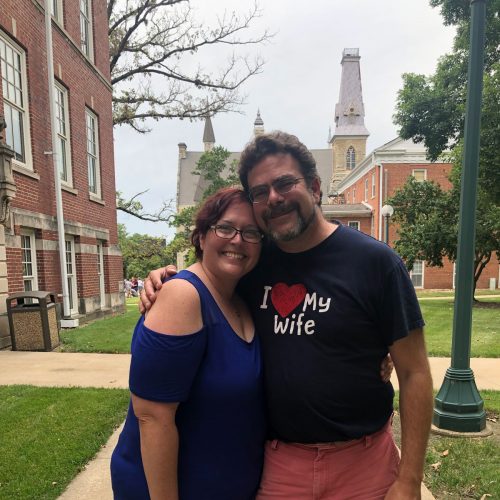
(296, 230)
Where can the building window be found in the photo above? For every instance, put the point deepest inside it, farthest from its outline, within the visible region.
(62, 132)
(420, 174)
(15, 101)
(100, 273)
(86, 28)
(347, 197)
(56, 9)
(354, 224)
(350, 158)
(28, 251)
(71, 275)
(354, 194)
(417, 274)
(373, 185)
(366, 189)
(93, 153)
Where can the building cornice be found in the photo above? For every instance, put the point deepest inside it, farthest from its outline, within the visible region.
(383, 155)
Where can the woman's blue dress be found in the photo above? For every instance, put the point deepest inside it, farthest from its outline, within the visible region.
(217, 378)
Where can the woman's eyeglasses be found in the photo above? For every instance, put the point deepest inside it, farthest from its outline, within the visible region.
(228, 232)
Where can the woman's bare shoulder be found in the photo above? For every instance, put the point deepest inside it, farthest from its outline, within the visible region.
(177, 310)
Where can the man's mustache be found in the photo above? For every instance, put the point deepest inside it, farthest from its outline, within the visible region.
(278, 210)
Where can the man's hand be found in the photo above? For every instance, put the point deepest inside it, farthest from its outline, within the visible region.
(386, 368)
(404, 491)
(152, 285)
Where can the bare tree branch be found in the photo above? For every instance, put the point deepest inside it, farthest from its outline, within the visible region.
(158, 44)
(134, 207)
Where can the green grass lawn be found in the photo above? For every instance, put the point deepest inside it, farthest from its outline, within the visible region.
(438, 315)
(460, 468)
(451, 293)
(112, 335)
(49, 434)
(109, 335)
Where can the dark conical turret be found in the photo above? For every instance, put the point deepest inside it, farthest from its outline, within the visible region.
(208, 134)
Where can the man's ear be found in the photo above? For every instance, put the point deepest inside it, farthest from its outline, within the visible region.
(316, 189)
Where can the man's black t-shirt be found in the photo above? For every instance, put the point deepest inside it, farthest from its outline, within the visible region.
(326, 317)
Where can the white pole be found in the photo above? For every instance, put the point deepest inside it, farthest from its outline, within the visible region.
(57, 179)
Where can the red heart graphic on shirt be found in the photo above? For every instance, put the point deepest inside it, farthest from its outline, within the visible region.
(286, 298)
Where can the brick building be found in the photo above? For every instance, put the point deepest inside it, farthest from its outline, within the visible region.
(355, 184)
(82, 92)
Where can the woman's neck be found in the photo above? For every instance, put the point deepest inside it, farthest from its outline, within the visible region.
(223, 288)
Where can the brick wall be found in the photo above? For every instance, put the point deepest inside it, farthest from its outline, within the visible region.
(88, 87)
(394, 176)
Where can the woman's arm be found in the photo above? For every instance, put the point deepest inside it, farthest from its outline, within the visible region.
(156, 390)
(159, 446)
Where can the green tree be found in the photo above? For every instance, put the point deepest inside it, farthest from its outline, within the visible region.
(431, 109)
(215, 172)
(142, 252)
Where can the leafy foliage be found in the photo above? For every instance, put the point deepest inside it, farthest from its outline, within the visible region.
(156, 50)
(142, 252)
(432, 110)
(215, 173)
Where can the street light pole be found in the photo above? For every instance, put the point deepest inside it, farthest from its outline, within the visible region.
(387, 211)
(459, 406)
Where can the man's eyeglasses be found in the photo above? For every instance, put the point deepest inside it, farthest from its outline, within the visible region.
(282, 185)
(227, 232)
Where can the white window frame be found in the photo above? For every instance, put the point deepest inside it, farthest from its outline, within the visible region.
(350, 158)
(366, 189)
(56, 9)
(374, 187)
(63, 134)
(419, 171)
(354, 224)
(354, 194)
(28, 236)
(93, 163)
(100, 273)
(11, 102)
(69, 248)
(86, 29)
(422, 274)
(347, 197)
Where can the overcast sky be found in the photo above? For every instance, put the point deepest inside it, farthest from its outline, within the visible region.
(298, 87)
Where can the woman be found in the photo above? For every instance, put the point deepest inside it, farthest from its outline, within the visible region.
(195, 427)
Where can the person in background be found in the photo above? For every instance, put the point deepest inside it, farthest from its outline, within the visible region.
(195, 428)
(329, 302)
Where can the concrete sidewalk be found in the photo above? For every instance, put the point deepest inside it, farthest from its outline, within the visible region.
(111, 370)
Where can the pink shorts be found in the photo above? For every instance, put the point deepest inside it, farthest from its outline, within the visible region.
(362, 469)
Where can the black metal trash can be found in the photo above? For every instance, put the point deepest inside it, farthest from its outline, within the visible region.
(33, 321)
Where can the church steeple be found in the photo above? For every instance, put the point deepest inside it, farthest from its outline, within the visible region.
(350, 111)
(208, 134)
(258, 125)
(350, 134)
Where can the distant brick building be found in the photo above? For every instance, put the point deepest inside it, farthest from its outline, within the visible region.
(355, 185)
(29, 253)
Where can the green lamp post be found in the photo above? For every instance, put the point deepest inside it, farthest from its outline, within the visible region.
(458, 404)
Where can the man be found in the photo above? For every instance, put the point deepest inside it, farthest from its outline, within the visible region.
(329, 302)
